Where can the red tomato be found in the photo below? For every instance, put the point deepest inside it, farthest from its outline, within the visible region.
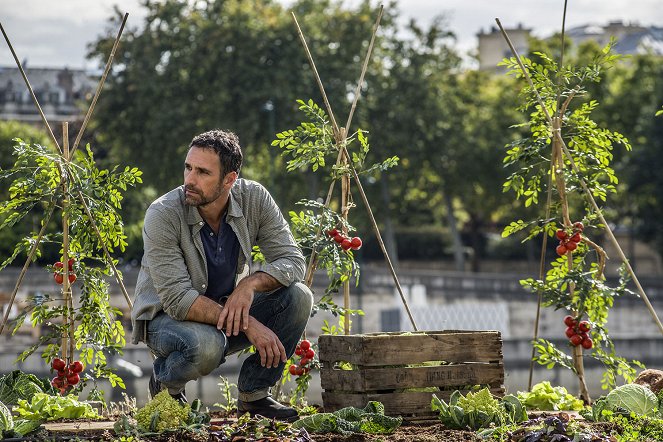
(58, 364)
(576, 340)
(73, 379)
(299, 371)
(72, 278)
(58, 265)
(299, 351)
(570, 331)
(584, 326)
(339, 238)
(305, 344)
(561, 234)
(304, 361)
(310, 353)
(570, 321)
(346, 244)
(76, 367)
(356, 243)
(571, 246)
(576, 238)
(561, 250)
(57, 382)
(332, 233)
(70, 263)
(58, 278)
(579, 226)
(587, 343)
(292, 369)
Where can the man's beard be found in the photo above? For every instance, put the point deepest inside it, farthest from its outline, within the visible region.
(199, 199)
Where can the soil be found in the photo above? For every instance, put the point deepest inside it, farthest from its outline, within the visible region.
(425, 432)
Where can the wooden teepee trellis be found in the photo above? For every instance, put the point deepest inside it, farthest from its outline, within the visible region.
(66, 176)
(560, 152)
(340, 137)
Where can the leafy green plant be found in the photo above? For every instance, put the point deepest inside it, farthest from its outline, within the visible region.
(44, 407)
(313, 144)
(478, 410)
(230, 403)
(370, 419)
(575, 281)
(625, 400)
(544, 396)
(41, 178)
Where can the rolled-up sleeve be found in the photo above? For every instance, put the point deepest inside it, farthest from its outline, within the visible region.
(166, 263)
(283, 257)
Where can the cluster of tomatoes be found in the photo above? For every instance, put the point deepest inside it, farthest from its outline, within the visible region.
(568, 243)
(59, 271)
(578, 332)
(68, 376)
(345, 242)
(306, 353)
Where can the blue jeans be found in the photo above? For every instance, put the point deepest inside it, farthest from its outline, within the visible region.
(187, 350)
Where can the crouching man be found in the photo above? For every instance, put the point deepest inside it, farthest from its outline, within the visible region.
(199, 295)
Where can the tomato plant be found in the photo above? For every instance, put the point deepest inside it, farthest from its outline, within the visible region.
(575, 281)
(322, 232)
(86, 197)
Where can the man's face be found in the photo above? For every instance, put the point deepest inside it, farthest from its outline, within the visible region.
(203, 180)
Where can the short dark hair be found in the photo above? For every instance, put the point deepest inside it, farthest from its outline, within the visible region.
(225, 144)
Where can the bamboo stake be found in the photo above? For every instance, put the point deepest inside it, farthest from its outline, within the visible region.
(586, 190)
(99, 87)
(313, 260)
(80, 194)
(356, 177)
(345, 209)
(32, 93)
(68, 337)
(50, 209)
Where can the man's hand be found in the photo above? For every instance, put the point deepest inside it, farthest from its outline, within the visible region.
(267, 343)
(235, 312)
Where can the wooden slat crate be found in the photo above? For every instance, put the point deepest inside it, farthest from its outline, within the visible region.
(388, 367)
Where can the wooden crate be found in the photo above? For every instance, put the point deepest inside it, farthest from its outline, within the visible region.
(384, 371)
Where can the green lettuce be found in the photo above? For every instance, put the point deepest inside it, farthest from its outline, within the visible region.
(478, 410)
(43, 406)
(548, 398)
(370, 419)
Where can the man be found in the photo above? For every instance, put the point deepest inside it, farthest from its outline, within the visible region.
(200, 296)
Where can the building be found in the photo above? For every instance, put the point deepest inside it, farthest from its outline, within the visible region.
(493, 47)
(631, 39)
(58, 90)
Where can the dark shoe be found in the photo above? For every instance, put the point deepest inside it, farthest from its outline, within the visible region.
(154, 387)
(267, 407)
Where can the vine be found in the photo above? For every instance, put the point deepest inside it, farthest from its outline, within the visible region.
(575, 281)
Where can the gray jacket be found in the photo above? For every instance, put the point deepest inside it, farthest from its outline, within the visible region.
(173, 271)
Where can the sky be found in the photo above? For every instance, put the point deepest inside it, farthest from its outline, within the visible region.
(50, 33)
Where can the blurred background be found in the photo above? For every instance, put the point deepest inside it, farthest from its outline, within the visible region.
(434, 96)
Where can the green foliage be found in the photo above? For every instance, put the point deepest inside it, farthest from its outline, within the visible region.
(162, 413)
(370, 420)
(478, 410)
(6, 419)
(38, 179)
(633, 398)
(43, 406)
(576, 285)
(256, 428)
(18, 385)
(546, 397)
(227, 393)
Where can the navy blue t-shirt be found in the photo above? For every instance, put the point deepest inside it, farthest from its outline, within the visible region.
(221, 252)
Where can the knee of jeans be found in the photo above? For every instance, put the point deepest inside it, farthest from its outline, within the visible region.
(301, 300)
(206, 355)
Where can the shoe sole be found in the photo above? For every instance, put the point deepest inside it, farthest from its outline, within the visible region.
(281, 419)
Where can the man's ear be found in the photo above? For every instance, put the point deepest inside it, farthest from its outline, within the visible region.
(230, 179)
